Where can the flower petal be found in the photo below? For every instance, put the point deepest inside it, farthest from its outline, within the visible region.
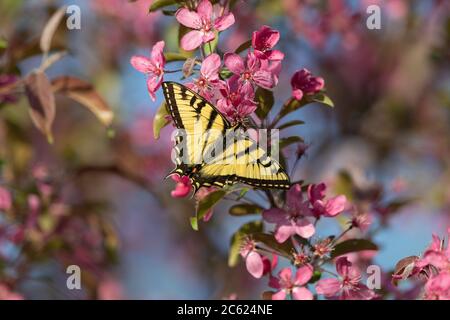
(275, 55)
(274, 215)
(303, 275)
(328, 287)
(335, 205)
(192, 40)
(285, 274)
(343, 266)
(205, 10)
(157, 54)
(153, 84)
(283, 232)
(188, 18)
(280, 295)
(224, 22)
(142, 64)
(234, 63)
(297, 94)
(302, 294)
(304, 228)
(254, 264)
(263, 79)
(210, 66)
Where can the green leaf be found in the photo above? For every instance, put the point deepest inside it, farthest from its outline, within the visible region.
(293, 104)
(285, 248)
(204, 205)
(160, 120)
(238, 237)
(315, 277)
(265, 101)
(284, 142)
(321, 98)
(245, 209)
(352, 245)
(175, 56)
(290, 106)
(225, 73)
(194, 223)
(158, 4)
(242, 193)
(291, 124)
(243, 46)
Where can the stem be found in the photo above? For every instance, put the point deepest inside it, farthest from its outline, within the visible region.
(341, 235)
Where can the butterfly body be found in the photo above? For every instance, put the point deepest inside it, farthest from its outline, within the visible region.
(213, 152)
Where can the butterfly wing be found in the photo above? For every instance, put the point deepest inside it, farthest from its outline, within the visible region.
(246, 162)
(193, 116)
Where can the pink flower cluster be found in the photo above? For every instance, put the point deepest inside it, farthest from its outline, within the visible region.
(348, 286)
(295, 217)
(233, 96)
(434, 265)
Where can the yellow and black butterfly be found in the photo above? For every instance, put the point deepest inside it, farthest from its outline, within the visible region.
(242, 161)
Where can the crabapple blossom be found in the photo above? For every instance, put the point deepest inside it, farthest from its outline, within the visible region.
(294, 287)
(208, 80)
(304, 83)
(348, 287)
(292, 219)
(183, 186)
(329, 208)
(251, 71)
(237, 101)
(153, 67)
(263, 41)
(206, 22)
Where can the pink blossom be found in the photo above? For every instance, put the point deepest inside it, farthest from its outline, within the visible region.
(348, 287)
(291, 219)
(5, 199)
(206, 84)
(320, 207)
(361, 220)
(237, 100)
(153, 67)
(253, 260)
(206, 21)
(296, 288)
(304, 83)
(263, 41)
(436, 255)
(438, 287)
(251, 71)
(183, 186)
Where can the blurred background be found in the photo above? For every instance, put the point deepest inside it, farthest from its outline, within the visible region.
(96, 196)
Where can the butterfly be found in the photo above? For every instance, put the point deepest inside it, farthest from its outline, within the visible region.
(206, 133)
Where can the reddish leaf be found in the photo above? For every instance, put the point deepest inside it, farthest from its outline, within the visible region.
(50, 29)
(404, 268)
(42, 102)
(85, 94)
